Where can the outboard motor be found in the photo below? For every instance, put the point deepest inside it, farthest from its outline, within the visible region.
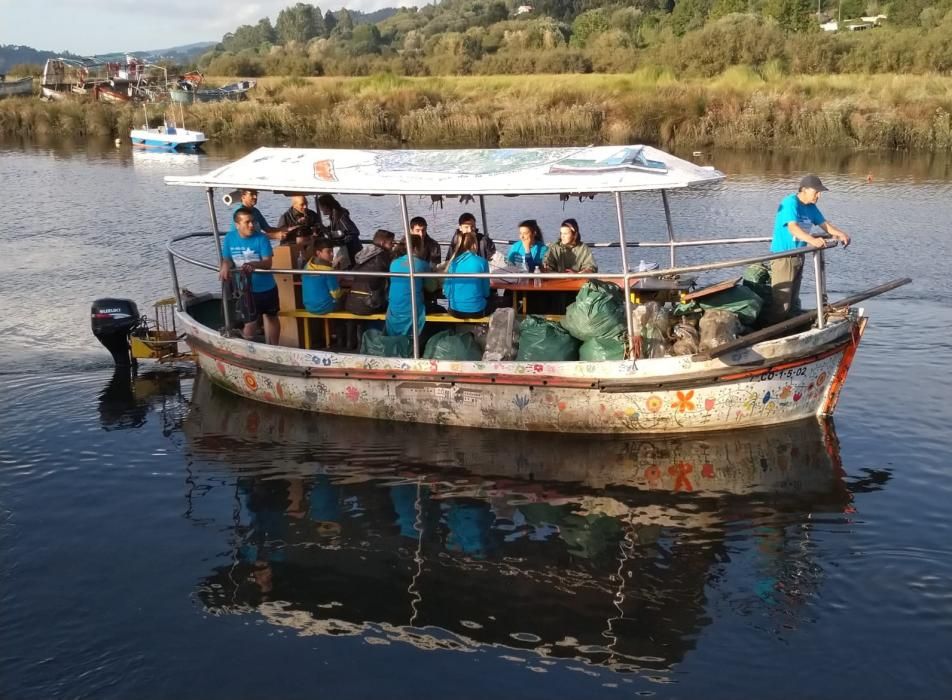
(113, 320)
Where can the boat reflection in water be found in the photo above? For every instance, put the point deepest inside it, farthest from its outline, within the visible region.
(130, 394)
(544, 547)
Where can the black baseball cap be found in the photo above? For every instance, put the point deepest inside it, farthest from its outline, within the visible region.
(812, 182)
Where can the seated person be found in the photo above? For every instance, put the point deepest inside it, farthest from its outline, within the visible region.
(340, 229)
(431, 251)
(368, 295)
(467, 297)
(569, 254)
(299, 221)
(485, 248)
(399, 309)
(249, 198)
(320, 292)
(248, 249)
(529, 251)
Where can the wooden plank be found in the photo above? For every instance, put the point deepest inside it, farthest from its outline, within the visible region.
(712, 289)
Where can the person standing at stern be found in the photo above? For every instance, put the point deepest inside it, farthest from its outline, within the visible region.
(247, 249)
(796, 216)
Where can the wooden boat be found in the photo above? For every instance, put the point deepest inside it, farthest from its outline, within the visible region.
(23, 86)
(782, 374)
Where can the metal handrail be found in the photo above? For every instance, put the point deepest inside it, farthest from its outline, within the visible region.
(665, 272)
(627, 276)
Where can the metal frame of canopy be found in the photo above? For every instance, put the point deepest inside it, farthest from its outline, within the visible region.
(222, 178)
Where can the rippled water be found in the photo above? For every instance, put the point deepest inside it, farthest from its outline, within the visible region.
(162, 538)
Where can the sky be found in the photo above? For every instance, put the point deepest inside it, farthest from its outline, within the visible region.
(88, 27)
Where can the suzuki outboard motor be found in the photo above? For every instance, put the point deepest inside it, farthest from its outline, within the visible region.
(113, 320)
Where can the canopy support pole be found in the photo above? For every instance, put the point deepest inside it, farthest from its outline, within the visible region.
(819, 271)
(667, 219)
(225, 286)
(482, 214)
(626, 287)
(413, 300)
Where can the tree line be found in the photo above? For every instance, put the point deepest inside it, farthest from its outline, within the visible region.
(687, 37)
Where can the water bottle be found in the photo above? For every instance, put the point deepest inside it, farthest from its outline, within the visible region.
(525, 268)
(300, 258)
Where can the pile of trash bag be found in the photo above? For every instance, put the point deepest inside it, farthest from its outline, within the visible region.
(374, 342)
(450, 345)
(545, 341)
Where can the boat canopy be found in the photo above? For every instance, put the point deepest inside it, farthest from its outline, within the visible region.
(499, 171)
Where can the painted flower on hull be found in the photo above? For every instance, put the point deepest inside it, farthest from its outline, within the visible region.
(684, 401)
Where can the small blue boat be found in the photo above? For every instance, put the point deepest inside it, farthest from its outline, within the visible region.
(169, 138)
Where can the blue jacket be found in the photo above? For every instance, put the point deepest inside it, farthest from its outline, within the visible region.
(467, 295)
(533, 259)
(399, 316)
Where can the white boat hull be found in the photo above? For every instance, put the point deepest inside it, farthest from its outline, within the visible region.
(773, 382)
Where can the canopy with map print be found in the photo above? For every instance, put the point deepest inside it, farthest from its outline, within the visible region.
(505, 171)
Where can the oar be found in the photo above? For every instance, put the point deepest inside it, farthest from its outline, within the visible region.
(804, 319)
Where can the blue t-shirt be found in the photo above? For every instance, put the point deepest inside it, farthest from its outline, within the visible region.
(319, 292)
(467, 295)
(399, 313)
(517, 254)
(254, 248)
(792, 210)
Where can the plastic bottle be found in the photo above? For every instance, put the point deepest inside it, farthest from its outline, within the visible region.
(537, 282)
(300, 259)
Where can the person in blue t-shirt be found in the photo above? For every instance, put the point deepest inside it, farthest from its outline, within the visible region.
(249, 200)
(796, 217)
(249, 250)
(529, 251)
(320, 293)
(467, 297)
(399, 313)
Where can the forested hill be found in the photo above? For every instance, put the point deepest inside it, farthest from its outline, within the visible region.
(697, 37)
(12, 55)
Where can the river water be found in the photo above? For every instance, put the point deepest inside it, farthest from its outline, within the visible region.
(162, 538)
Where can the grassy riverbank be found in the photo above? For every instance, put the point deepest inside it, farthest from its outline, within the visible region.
(740, 108)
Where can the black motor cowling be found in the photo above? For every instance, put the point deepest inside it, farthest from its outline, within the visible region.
(113, 320)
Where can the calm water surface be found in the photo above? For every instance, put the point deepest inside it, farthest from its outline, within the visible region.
(162, 538)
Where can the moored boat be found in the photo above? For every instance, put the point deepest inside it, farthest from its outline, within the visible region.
(781, 374)
(168, 137)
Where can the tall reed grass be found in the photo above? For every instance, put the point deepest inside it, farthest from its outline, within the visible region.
(741, 108)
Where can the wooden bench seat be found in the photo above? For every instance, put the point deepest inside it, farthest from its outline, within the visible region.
(346, 316)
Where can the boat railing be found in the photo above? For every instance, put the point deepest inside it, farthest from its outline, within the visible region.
(627, 276)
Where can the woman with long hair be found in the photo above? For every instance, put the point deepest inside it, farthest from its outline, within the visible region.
(467, 297)
(529, 251)
(569, 254)
(340, 228)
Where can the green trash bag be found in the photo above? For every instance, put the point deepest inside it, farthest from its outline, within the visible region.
(758, 273)
(741, 300)
(602, 350)
(374, 342)
(447, 345)
(598, 311)
(757, 278)
(545, 341)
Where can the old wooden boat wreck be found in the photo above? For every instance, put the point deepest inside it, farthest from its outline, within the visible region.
(780, 374)
(9, 88)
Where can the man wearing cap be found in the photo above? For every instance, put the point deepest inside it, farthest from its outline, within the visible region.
(249, 200)
(796, 217)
